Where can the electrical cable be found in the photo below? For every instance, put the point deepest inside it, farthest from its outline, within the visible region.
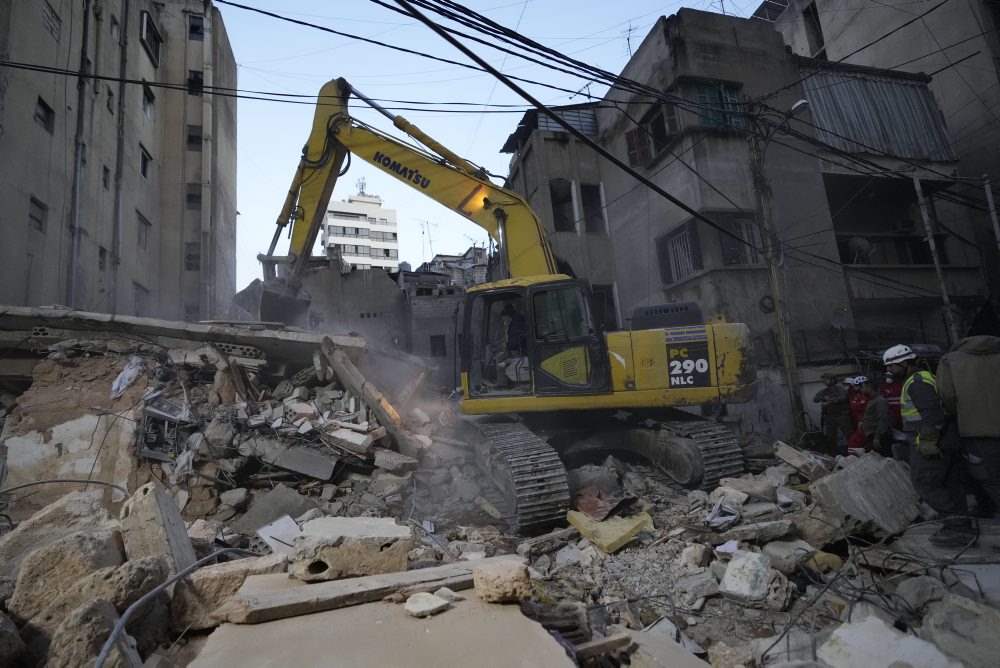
(85, 481)
(109, 644)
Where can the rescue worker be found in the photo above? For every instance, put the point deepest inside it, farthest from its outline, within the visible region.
(891, 388)
(856, 400)
(875, 423)
(835, 416)
(935, 469)
(969, 382)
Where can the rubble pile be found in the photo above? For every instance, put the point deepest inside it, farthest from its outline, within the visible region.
(270, 495)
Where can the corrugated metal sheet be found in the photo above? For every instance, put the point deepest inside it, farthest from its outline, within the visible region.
(895, 116)
(584, 120)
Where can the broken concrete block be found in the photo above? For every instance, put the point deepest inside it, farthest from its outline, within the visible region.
(729, 495)
(12, 648)
(568, 556)
(799, 461)
(152, 527)
(726, 655)
(792, 649)
(817, 526)
(315, 464)
(234, 498)
(965, 629)
(331, 548)
(423, 604)
(762, 490)
(219, 438)
(872, 642)
(779, 476)
(785, 555)
(300, 409)
(78, 640)
(750, 580)
(354, 441)
(449, 595)
(875, 494)
(77, 511)
(611, 534)
(279, 501)
(202, 533)
(697, 586)
(755, 532)
(54, 569)
(502, 582)
(394, 461)
(791, 499)
(198, 595)
(694, 557)
(921, 591)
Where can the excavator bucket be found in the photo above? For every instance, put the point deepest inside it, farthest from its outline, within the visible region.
(279, 303)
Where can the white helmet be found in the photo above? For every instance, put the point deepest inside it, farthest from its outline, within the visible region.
(860, 380)
(897, 354)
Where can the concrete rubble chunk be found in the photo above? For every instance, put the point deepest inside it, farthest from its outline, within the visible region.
(568, 556)
(423, 604)
(799, 461)
(502, 582)
(694, 557)
(700, 585)
(78, 640)
(152, 527)
(315, 464)
(331, 548)
(218, 438)
(920, 591)
(277, 503)
(785, 555)
(794, 648)
(234, 498)
(750, 580)
(761, 490)
(964, 629)
(735, 655)
(779, 475)
(754, 532)
(729, 494)
(198, 595)
(871, 642)
(875, 494)
(12, 648)
(77, 511)
(449, 595)
(816, 525)
(54, 569)
(121, 586)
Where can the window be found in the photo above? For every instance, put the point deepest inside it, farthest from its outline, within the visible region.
(148, 102)
(106, 177)
(562, 313)
(44, 115)
(593, 212)
(192, 256)
(194, 137)
(561, 192)
(150, 37)
(720, 106)
(196, 28)
(438, 346)
(142, 231)
(733, 250)
(141, 296)
(38, 214)
(679, 253)
(51, 20)
(145, 162)
(653, 135)
(195, 82)
(814, 32)
(193, 196)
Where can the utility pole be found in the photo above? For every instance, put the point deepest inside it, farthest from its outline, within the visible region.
(948, 315)
(762, 192)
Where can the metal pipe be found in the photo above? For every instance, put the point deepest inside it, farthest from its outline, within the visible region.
(949, 316)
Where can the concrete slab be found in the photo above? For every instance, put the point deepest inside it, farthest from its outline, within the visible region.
(875, 494)
(279, 501)
(613, 533)
(473, 633)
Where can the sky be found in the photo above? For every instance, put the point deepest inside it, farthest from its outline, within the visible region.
(279, 57)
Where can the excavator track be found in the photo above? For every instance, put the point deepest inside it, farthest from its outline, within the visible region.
(526, 472)
(719, 447)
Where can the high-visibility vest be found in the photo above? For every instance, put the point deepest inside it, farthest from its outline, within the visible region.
(907, 409)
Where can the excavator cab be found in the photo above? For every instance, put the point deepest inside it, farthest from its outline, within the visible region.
(527, 337)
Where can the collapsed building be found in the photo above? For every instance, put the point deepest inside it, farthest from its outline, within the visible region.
(214, 493)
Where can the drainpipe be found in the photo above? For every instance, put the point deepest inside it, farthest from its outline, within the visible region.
(116, 216)
(74, 211)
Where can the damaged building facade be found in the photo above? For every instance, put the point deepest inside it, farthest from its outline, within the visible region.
(848, 223)
(123, 196)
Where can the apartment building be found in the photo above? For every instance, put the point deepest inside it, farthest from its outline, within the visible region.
(118, 183)
(839, 209)
(362, 233)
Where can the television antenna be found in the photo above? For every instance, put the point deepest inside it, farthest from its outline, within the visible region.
(425, 231)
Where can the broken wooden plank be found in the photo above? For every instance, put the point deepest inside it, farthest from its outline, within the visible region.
(600, 646)
(322, 596)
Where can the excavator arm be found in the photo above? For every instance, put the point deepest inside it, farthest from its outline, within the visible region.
(435, 172)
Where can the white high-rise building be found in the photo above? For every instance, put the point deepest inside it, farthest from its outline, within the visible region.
(362, 233)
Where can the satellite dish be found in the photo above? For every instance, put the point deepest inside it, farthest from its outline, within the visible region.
(860, 249)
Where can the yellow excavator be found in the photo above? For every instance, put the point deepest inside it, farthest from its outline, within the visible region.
(539, 379)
